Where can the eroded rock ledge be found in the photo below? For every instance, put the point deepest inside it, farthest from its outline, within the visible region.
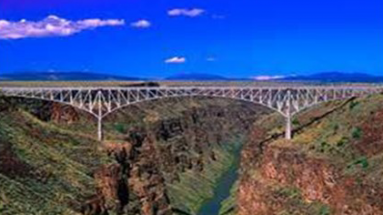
(333, 166)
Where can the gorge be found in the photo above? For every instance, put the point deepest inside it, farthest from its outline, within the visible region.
(173, 157)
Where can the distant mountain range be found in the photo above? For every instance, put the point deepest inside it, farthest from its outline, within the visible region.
(88, 76)
(317, 77)
(64, 76)
(336, 77)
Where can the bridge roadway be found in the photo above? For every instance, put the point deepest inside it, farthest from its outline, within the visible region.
(101, 101)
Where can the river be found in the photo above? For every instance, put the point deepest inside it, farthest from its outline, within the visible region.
(222, 190)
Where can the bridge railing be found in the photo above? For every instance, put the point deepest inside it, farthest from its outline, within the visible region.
(99, 101)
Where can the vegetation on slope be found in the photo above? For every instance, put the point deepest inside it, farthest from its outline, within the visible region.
(195, 188)
(194, 139)
(332, 166)
(159, 150)
(42, 167)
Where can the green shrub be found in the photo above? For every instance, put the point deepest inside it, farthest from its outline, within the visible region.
(120, 128)
(363, 161)
(353, 104)
(342, 142)
(335, 127)
(296, 122)
(356, 133)
(290, 192)
(323, 146)
(324, 210)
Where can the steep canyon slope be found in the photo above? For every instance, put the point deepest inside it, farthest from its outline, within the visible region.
(165, 157)
(332, 166)
(159, 157)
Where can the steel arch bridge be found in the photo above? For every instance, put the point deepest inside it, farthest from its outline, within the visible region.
(101, 101)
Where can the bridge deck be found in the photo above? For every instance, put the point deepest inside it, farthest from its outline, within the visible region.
(103, 100)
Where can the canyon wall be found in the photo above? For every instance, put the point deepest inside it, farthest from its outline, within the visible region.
(165, 157)
(332, 166)
(157, 158)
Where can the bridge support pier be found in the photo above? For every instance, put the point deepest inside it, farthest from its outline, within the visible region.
(99, 128)
(288, 133)
(99, 115)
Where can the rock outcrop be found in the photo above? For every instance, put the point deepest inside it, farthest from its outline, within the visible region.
(333, 166)
(151, 146)
(154, 155)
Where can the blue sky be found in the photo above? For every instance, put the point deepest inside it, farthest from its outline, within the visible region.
(159, 38)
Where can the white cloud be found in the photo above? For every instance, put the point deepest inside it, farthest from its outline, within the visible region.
(141, 24)
(4, 23)
(186, 12)
(51, 26)
(176, 60)
(211, 59)
(268, 78)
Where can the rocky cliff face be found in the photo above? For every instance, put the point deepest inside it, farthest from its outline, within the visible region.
(291, 181)
(164, 157)
(154, 155)
(134, 184)
(45, 111)
(333, 165)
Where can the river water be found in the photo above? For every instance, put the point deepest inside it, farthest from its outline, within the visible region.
(222, 190)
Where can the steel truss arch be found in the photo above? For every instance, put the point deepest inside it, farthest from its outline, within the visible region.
(100, 102)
